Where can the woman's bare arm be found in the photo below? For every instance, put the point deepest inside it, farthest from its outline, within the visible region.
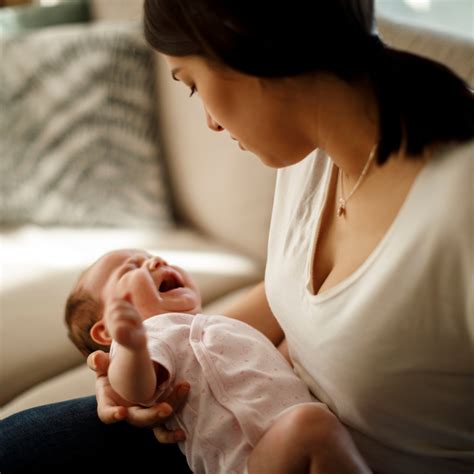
(253, 309)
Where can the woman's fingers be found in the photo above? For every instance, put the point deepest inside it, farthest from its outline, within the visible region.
(159, 414)
(149, 417)
(146, 417)
(165, 436)
(108, 410)
(109, 405)
(109, 414)
(98, 361)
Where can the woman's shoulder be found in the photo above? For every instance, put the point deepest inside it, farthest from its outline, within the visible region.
(455, 160)
(450, 171)
(446, 188)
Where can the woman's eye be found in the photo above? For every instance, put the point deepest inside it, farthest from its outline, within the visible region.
(193, 91)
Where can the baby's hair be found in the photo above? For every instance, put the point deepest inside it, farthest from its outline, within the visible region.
(81, 313)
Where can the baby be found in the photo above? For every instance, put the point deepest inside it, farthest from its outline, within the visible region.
(148, 313)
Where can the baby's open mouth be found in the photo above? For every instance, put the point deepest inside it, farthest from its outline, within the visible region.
(168, 284)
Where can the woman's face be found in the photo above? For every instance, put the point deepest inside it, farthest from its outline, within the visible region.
(259, 114)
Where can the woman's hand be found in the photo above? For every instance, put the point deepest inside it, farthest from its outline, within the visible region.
(112, 408)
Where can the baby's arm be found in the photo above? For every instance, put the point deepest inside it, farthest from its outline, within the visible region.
(132, 373)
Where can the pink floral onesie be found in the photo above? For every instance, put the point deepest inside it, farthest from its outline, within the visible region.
(239, 385)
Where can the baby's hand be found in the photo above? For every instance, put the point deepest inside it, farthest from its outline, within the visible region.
(125, 324)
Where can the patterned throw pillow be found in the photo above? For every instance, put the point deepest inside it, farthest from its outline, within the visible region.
(78, 132)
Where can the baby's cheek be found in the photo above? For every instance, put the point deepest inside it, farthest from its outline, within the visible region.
(192, 300)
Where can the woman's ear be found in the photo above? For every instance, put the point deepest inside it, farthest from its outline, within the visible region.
(100, 334)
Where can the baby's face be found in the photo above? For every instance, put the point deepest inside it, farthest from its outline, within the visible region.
(154, 286)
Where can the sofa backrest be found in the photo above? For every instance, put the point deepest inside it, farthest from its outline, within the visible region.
(456, 52)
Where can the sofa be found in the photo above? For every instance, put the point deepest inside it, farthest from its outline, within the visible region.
(219, 200)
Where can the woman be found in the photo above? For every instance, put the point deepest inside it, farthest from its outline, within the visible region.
(370, 260)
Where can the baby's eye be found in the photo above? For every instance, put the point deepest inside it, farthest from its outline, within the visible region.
(134, 262)
(193, 91)
(139, 260)
(127, 266)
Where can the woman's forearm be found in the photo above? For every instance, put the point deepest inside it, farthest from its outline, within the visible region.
(132, 375)
(253, 309)
(285, 352)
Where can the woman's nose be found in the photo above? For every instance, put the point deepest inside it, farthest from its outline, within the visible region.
(212, 124)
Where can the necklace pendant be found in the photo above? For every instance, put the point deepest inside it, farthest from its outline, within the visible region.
(341, 210)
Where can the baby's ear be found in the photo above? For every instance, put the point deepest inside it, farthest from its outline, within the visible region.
(100, 334)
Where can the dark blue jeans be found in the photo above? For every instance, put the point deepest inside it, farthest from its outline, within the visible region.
(69, 437)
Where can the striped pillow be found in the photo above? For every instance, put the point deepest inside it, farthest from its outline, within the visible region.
(78, 132)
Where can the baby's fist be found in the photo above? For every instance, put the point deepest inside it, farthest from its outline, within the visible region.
(125, 324)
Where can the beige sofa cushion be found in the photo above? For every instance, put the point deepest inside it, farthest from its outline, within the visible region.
(40, 266)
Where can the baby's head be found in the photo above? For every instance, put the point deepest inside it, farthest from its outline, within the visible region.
(153, 287)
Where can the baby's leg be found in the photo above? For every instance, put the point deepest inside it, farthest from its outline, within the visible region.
(306, 439)
(125, 325)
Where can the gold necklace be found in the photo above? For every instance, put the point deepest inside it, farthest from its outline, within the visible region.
(341, 209)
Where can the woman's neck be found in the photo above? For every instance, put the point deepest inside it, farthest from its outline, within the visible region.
(345, 124)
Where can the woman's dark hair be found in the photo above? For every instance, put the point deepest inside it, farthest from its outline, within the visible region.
(421, 102)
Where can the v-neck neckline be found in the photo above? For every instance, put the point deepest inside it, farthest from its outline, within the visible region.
(377, 250)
